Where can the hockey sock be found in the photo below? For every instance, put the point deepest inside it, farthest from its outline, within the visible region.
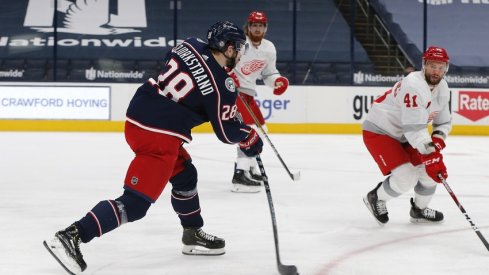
(103, 218)
(423, 194)
(243, 162)
(110, 214)
(386, 191)
(401, 180)
(187, 206)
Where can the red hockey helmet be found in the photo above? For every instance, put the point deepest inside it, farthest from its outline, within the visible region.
(257, 17)
(436, 54)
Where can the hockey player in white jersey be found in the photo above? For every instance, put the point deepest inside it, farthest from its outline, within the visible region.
(396, 134)
(259, 63)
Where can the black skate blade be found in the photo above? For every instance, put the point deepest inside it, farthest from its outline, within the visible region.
(287, 269)
(369, 207)
(56, 258)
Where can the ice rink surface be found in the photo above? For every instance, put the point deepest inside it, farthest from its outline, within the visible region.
(49, 180)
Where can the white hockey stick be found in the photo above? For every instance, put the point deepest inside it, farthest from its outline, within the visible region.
(294, 176)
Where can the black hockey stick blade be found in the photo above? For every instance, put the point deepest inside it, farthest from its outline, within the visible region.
(287, 269)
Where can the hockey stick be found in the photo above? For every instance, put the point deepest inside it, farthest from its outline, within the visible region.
(294, 176)
(282, 269)
(476, 229)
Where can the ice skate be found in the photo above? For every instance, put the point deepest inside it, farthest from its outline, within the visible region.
(426, 215)
(65, 248)
(197, 242)
(243, 184)
(255, 175)
(376, 207)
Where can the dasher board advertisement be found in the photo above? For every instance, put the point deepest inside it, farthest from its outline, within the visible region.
(54, 102)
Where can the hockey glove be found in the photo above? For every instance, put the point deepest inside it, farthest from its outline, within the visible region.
(438, 142)
(433, 163)
(281, 84)
(252, 145)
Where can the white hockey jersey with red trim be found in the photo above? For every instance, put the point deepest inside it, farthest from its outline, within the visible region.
(405, 111)
(258, 62)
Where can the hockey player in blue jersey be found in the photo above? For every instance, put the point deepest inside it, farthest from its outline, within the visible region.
(192, 88)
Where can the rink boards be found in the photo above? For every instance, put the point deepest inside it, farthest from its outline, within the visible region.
(302, 109)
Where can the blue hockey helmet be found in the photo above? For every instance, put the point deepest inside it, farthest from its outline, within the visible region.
(225, 33)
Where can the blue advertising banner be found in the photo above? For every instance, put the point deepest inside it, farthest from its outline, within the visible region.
(129, 29)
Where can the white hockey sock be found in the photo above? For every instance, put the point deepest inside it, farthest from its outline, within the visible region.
(423, 194)
(254, 167)
(388, 190)
(422, 201)
(401, 180)
(243, 162)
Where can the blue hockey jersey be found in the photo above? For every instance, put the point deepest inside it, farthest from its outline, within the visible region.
(191, 89)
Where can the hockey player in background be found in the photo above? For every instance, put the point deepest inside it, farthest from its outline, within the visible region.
(259, 63)
(193, 88)
(396, 134)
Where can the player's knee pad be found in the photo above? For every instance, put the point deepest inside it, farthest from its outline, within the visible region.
(185, 180)
(131, 206)
(403, 178)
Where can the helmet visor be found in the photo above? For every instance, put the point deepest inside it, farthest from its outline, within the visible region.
(242, 47)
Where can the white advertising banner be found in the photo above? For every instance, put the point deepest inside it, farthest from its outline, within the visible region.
(470, 106)
(350, 105)
(286, 108)
(317, 104)
(55, 102)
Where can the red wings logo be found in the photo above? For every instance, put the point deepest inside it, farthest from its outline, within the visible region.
(252, 66)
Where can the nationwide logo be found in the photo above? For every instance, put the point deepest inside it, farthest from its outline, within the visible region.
(473, 79)
(87, 16)
(473, 105)
(92, 19)
(360, 78)
(12, 73)
(93, 74)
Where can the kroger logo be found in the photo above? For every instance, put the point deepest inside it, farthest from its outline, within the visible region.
(87, 16)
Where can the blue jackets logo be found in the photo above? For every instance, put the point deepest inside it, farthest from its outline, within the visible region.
(87, 16)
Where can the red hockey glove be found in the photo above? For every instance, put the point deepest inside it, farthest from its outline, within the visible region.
(252, 145)
(434, 165)
(438, 142)
(281, 84)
